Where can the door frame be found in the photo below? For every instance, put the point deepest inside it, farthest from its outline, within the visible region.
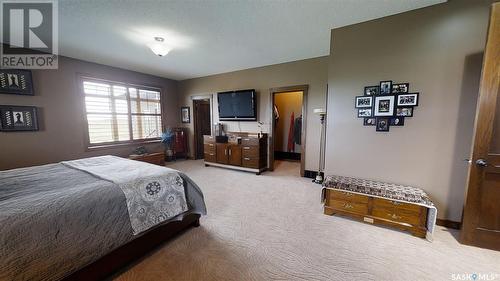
(195, 134)
(471, 233)
(297, 88)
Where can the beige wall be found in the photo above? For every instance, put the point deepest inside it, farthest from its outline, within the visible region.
(438, 50)
(311, 71)
(62, 114)
(286, 103)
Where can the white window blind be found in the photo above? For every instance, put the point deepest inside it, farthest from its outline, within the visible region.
(118, 113)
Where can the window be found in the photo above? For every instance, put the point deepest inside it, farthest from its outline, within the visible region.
(120, 113)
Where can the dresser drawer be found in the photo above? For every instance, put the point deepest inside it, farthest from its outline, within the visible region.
(349, 206)
(343, 195)
(396, 215)
(208, 139)
(249, 141)
(210, 156)
(250, 162)
(389, 204)
(250, 151)
(209, 147)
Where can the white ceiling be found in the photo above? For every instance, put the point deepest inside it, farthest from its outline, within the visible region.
(211, 36)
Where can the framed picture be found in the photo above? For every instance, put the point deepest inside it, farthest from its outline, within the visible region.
(365, 112)
(372, 90)
(369, 122)
(18, 118)
(364, 102)
(382, 124)
(384, 106)
(385, 87)
(397, 121)
(404, 111)
(400, 88)
(185, 114)
(408, 99)
(17, 82)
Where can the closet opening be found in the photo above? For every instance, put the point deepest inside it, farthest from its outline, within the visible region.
(287, 144)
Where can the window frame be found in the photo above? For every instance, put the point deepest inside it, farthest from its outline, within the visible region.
(127, 85)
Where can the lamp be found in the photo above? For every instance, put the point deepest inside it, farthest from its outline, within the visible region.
(159, 48)
(322, 113)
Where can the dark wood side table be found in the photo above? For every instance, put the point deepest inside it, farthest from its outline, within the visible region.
(153, 158)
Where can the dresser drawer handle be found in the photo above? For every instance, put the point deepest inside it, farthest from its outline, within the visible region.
(348, 194)
(396, 203)
(246, 158)
(211, 144)
(394, 216)
(246, 147)
(348, 206)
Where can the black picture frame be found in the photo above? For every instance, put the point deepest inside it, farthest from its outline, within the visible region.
(414, 103)
(398, 88)
(369, 121)
(15, 118)
(383, 124)
(385, 87)
(16, 82)
(358, 98)
(404, 112)
(397, 121)
(185, 115)
(377, 105)
(372, 90)
(361, 113)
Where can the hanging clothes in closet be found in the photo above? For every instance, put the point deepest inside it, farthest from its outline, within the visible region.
(297, 130)
(291, 146)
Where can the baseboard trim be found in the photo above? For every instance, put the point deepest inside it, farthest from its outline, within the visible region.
(449, 223)
(311, 174)
(282, 155)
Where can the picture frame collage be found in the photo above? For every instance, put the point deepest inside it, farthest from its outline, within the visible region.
(386, 105)
(14, 118)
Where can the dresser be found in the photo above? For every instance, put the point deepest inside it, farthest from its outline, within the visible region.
(181, 148)
(246, 152)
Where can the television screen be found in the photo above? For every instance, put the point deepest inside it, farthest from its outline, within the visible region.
(237, 105)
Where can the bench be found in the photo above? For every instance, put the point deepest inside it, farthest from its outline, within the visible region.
(403, 207)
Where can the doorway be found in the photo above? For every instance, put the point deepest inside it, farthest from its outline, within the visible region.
(288, 126)
(202, 126)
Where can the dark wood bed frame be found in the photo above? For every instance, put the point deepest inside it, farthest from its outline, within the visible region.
(133, 250)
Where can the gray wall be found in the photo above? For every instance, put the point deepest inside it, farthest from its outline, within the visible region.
(311, 71)
(62, 114)
(438, 50)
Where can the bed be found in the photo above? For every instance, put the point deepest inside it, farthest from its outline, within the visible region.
(65, 221)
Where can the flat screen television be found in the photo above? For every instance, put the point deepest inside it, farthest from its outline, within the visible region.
(237, 105)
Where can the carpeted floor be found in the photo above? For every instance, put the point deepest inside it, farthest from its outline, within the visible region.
(271, 227)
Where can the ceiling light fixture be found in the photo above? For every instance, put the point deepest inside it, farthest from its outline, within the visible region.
(159, 47)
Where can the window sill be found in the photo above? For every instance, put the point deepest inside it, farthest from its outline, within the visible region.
(124, 144)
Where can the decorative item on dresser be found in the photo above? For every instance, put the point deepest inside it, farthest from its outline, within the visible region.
(403, 207)
(242, 151)
(181, 148)
(157, 158)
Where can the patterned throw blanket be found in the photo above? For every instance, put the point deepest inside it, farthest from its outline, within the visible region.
(154, 194)
(384, 190)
